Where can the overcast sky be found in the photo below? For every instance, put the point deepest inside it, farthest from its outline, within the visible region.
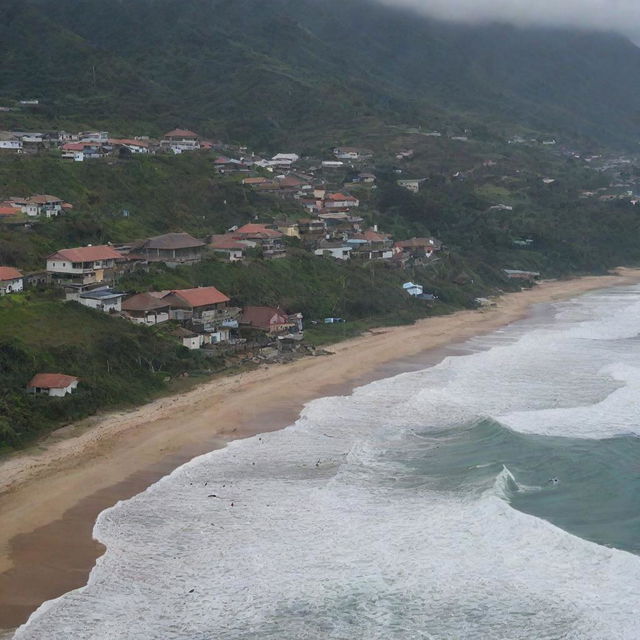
(615, 15)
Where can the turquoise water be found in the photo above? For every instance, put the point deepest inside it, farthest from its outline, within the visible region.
(590, 488)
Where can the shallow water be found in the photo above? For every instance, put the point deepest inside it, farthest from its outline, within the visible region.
(494, 495)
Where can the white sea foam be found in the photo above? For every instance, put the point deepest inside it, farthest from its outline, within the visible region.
(326, 530)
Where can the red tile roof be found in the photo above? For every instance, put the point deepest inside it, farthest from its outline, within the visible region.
(73, 146)
(200, 296)
(339, 197)
(254, 229)
(9, 273)
(87, 254)
(181, 133)
(225, 241)
(9, 211)
(51, 381)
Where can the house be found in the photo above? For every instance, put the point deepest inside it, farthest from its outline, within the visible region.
(144, 308)
(263, 235)
(102, 299)
(180, 140)
(332, 164)
(411, 185)
(189, 339)
(337, 250)
(222, 164)
(284, 160)
(83, 266)
(252, 181)
(128, 145)
(205, 310)
(41, 205)
(416, 248)
(73, 151)
(226, 246)
(309, 226)
(371, 245)
(366, 178)
(172, 248)
(340, 201)
(271, 320)
(10, 142)
(351, 153)
(11, 280)
(52, 384)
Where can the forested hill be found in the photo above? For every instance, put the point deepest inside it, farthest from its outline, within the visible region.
(278, 71)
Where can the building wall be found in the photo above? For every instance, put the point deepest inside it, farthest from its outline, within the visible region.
(11, 286)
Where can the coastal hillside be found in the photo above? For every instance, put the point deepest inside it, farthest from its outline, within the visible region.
(292, 71)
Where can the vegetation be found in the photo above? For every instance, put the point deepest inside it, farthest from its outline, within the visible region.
(289, 71)
(118, 362)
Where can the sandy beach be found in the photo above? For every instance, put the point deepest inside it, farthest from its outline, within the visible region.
(51, 494)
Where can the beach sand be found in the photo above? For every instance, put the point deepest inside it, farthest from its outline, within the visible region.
(51, 494)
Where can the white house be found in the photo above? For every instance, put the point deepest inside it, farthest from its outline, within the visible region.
(10, 142)
(190, 339)
(10, 280)
(82, 265)
(42, 205)
(102, 299)
(332, 164)
(52, 384)
(338, 250)
(180, 140)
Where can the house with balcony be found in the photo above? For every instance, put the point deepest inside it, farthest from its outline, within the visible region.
(203, 310)
(81, 268)
(43, 205)
(171, 248)
(371, 245)
(180, 140)
(265, 236)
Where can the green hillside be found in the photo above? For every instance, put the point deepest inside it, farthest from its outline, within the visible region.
(287, 71)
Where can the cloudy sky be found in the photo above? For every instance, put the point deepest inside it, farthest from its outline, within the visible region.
(615, 15)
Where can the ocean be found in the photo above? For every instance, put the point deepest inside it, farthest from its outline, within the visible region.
(495, 495)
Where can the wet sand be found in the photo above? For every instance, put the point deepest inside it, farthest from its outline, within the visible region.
(51, 494)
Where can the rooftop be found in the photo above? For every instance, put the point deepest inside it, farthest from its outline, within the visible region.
(87, 254)
(172, 241)
(51, 381)
(200, 296)
(9, 273)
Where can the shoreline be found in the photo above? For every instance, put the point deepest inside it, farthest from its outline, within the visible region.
(51, 494)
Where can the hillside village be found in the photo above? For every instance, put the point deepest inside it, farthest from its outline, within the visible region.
(333, 208)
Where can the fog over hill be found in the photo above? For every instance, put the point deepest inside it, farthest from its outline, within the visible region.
(621, 16)
(266, 72)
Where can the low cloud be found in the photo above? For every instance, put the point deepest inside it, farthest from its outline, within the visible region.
(622, 16)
